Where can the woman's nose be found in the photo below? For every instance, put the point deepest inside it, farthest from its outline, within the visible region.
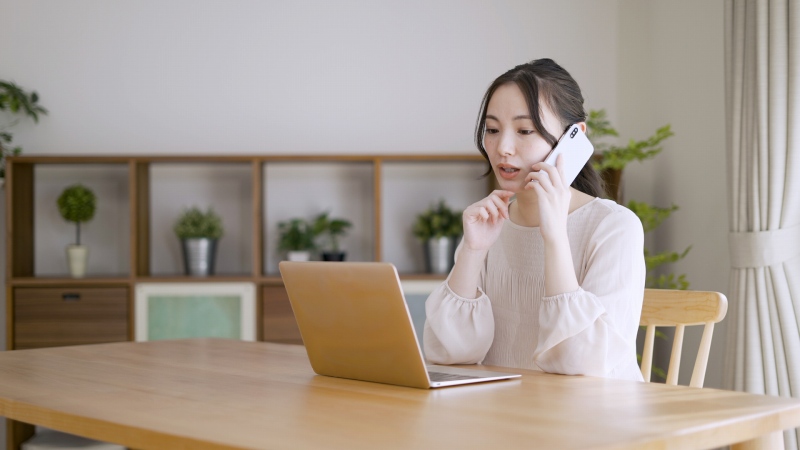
(506, 145)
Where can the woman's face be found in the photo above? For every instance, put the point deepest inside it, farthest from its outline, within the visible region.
(511, 141)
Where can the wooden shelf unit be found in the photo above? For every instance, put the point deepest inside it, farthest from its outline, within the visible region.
(52, 309)
(21, 195)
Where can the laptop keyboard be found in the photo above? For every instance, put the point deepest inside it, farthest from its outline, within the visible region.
(439, 376)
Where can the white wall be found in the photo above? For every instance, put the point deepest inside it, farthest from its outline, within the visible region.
(285, 77)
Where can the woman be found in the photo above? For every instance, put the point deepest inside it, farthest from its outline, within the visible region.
(547, 276)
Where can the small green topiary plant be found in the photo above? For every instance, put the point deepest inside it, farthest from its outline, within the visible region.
(438, 221)
(77, 204)
(194, 224)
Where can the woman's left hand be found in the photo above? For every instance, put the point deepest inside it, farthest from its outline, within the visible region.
(553, 196)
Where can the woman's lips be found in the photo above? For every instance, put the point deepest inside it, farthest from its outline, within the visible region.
(507, 172)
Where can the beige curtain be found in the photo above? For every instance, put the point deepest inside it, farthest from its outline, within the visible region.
(762, 81)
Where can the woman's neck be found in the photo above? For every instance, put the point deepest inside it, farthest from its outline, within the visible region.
(524, 211)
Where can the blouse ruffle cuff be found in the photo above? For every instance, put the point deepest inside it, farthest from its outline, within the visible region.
(449, 292)
(457, 330)
(566, 315)
(565, 296)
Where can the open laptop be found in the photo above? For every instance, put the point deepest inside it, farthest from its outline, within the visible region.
(355, 324)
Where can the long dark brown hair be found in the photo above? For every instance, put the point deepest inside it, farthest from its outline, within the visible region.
(544, 80)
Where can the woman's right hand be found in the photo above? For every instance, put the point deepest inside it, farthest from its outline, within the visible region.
(484, 219)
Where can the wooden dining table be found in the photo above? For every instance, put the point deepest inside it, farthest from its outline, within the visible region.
(217, 393)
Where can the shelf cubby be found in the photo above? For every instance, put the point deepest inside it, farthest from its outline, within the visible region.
(227, 188)
(411, 187)
(108, 230)
(307, 189)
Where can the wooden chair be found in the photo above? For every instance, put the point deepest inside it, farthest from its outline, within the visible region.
(674, 308)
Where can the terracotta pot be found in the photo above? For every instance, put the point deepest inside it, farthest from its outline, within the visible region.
(613, 180)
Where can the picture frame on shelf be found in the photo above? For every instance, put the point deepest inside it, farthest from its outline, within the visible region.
(193, 310)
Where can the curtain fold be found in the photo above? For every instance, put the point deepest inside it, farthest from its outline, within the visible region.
(762, 84)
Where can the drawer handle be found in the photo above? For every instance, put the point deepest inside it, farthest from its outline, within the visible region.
(71, 297)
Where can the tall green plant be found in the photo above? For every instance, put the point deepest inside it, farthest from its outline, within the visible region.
(615, 158)
(19, 103)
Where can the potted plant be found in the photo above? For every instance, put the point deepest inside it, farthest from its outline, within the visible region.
(610, 163)
(610, 159)
(438, 228)
(332, 229)
(15, 100)
(296, 239)
(77, 204)
(199, 233)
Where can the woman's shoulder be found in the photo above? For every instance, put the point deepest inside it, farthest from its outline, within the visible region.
(610, 213)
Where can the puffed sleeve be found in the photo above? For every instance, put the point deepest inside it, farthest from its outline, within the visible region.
(592, 331)
(457, 330)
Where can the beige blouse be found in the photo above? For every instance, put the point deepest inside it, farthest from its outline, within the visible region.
(591, 331)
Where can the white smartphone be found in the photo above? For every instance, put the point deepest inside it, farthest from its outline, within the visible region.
(577, 150)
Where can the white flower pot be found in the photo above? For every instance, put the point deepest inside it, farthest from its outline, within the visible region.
(77, 256)
(298, 255)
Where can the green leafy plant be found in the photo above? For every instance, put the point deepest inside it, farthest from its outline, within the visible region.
(332, 228)
(610, 163)
(438, 221)
(296, 235)
(651, 217)
(77, 204)
(617, 157)
(195, 223)
(19, 103)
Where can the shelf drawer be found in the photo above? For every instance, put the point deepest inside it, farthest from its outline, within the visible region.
(278, 317)
(54, 317)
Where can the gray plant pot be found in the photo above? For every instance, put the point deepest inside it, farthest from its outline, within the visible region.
(199, 255)
(440, 254)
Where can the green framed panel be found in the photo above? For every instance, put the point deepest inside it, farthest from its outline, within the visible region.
(193, 310)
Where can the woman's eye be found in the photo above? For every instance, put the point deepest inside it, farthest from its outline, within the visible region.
(526, 132)
(491, 131)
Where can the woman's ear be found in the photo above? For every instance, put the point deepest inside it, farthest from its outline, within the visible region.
(582, 125)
